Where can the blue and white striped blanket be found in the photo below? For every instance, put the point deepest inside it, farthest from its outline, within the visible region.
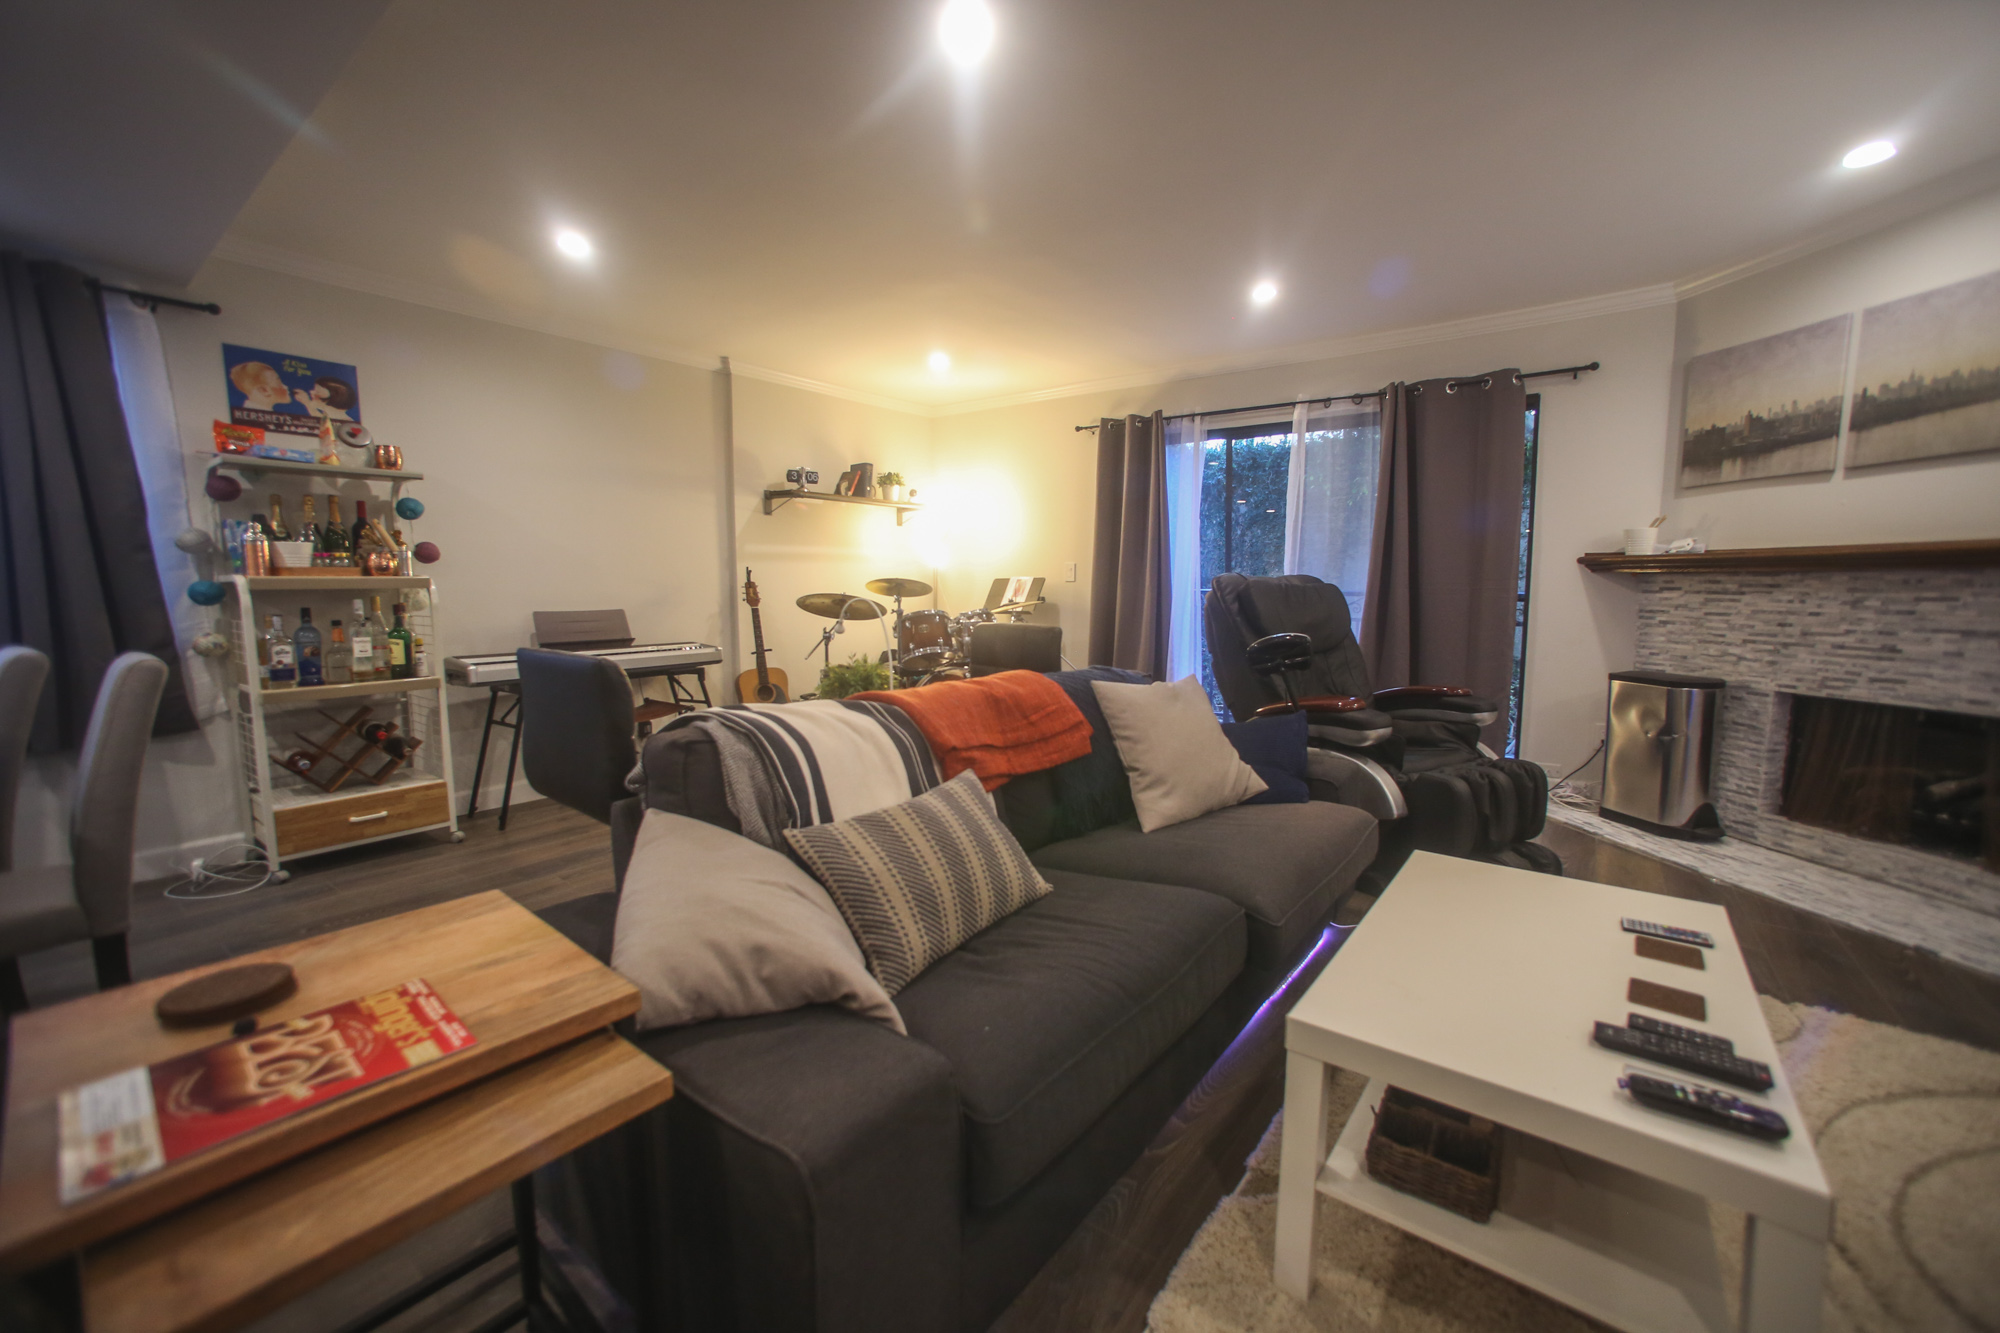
(792, 765)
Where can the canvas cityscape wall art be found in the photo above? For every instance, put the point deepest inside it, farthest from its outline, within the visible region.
(1769, 408)
(1927, 378)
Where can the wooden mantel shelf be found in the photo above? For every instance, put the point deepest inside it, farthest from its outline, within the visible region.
(1983, 553)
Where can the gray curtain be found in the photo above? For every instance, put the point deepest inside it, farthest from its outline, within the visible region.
(77, 578)
(1129, 601)
(1446, 563)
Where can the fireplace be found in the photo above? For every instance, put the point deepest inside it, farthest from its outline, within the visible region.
(1921, 778)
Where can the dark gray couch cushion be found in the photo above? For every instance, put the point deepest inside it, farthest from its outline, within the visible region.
(1284, 865)
(1048, 1016)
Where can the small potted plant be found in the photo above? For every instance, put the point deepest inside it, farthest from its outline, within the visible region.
(841, 679)
(890, 486)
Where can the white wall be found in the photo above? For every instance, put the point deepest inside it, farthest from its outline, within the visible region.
(805, 548)
(1933, 500)
(559, 475)
(1019, 483)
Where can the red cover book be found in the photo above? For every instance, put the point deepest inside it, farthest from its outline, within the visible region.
(137, 1121)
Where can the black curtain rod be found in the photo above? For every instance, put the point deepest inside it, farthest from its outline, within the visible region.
(154, 300)
(1574, 372)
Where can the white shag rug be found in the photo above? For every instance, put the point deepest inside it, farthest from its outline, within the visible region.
(1908, 1131)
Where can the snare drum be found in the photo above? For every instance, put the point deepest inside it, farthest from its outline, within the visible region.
(924, 641)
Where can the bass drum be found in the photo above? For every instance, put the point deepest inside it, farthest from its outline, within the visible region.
(923, 642)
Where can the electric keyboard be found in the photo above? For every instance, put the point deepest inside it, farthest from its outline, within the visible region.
(639, 659)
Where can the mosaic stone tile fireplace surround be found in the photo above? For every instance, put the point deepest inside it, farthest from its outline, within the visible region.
(1925, 638)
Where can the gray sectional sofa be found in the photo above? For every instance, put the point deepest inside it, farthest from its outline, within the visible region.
(816, 1171)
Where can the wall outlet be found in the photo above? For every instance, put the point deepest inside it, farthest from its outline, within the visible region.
(1069, 572)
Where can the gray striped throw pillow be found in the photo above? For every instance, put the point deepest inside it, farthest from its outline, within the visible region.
(916, 880)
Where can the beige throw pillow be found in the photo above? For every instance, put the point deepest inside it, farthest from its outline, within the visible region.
(919, 879)
(713, 925)
(1173, 749)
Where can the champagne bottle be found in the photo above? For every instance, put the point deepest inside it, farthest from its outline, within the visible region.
(379, 634)
(276, 524)
(401, 667)
(306, 645)
(333, 537)
(309, 527)
(361, 644)
(278, 651)
(339, 656)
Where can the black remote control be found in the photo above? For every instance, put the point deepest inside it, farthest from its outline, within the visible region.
(1642, 1023)
(1694, 1056)
(1678, 934)
(1709, 1106)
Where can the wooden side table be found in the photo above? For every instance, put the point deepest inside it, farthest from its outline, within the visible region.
(229, 1234)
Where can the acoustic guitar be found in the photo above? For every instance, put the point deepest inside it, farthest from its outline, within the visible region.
(767, 684)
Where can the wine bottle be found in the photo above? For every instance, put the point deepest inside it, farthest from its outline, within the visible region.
(378, 633)
(400, 665)
(275, 525)
(279, 653)
(339, 656)
(354, 533)
(376, 732)
(306, 649)
(361, 645)
(309, 527)
(333, 537)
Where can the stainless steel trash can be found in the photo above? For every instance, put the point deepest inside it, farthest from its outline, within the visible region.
(1659, 752)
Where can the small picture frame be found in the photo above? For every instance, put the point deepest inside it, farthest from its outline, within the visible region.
(845, 486)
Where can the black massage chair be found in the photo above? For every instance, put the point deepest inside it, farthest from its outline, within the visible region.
(1410, 755)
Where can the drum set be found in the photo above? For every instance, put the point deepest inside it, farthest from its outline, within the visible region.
(930, 644)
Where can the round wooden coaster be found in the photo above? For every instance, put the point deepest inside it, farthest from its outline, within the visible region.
(221, 996)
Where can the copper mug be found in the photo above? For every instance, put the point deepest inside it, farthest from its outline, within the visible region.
(387, 457)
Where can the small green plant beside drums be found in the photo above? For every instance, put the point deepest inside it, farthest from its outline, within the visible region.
(840, 679)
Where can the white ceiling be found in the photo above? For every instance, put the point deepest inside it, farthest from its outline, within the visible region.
(806, 187)
(131, 131)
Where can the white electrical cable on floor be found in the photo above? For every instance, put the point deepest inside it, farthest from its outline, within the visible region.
(205, 873)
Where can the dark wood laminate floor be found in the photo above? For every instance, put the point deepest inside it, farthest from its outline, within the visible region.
(1105, 1277)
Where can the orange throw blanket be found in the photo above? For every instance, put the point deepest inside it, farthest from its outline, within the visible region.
(998, 726)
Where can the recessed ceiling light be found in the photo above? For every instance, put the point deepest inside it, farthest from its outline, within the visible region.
(1868, 154)
(940, 362)
(965, 30)
(573, 243)
(1264, 293)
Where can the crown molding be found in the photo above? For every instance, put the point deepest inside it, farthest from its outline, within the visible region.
(1950, 188)
(754, 372)
(1504, 321)
(435, 296)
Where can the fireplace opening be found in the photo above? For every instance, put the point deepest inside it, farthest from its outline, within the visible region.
(1916, 777)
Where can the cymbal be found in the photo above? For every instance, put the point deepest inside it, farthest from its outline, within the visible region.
(840, 606)
(899, 587)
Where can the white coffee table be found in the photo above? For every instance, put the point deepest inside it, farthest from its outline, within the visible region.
(1477, 985)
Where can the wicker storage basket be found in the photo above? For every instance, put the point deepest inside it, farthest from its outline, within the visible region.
(1439, 1153)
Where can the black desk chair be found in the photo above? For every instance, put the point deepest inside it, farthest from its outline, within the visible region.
(577, 727)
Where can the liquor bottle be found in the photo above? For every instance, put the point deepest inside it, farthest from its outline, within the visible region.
(339, 656)
(279, 653)
(360, 526)
(400, 665)
(309, 527)
(275, 525)
(420, 656)
(361, 644)
(333, 537)
(305, 647)
(378, 633)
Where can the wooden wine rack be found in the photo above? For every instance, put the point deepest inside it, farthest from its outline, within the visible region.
(350, 765)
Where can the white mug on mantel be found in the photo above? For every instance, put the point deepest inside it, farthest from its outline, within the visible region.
(1642, 541)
